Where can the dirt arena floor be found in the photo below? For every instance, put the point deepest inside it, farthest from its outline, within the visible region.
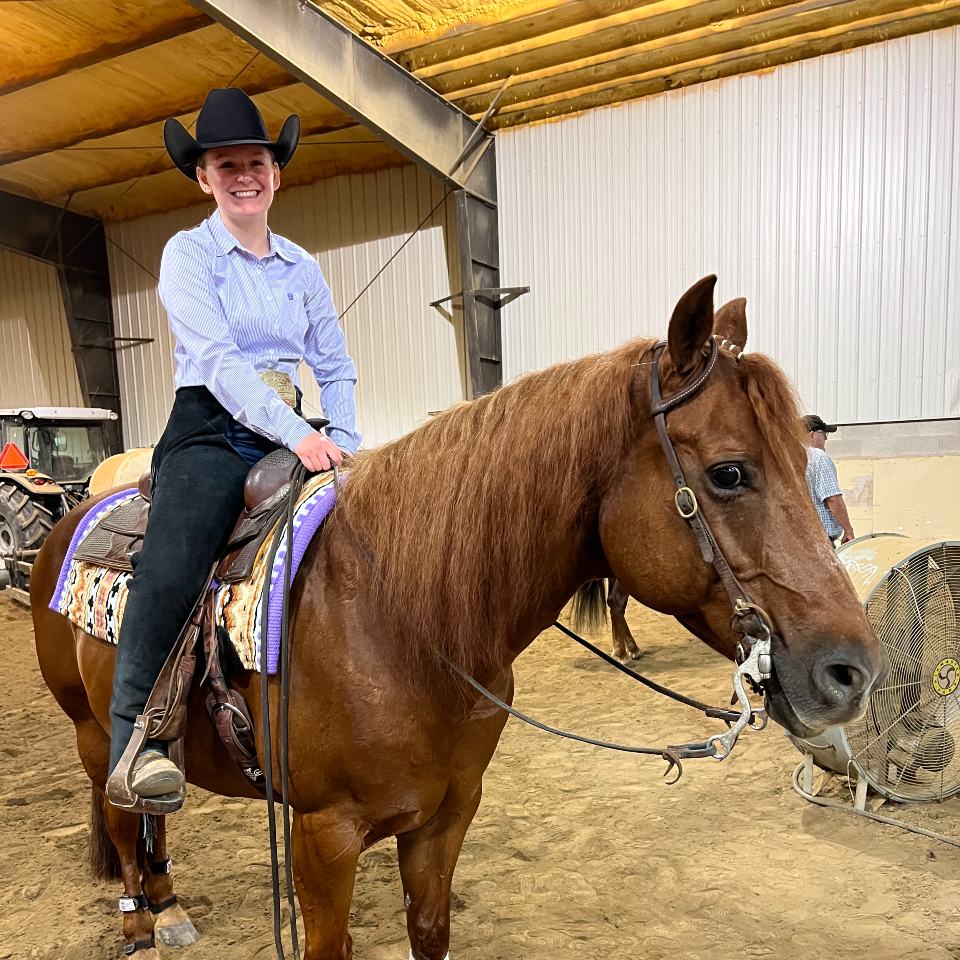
(575, 852)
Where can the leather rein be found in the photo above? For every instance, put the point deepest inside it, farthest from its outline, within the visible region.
(754, 659)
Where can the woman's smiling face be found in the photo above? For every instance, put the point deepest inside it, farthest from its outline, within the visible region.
(242, 179)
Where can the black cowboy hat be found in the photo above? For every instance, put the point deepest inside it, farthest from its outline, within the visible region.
(227, 118)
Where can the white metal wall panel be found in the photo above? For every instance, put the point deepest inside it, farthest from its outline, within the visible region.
(827, 192)
(36, 360)
(408, 355)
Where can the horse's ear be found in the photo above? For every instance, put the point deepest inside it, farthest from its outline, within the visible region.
(731, 322)
(691, 324)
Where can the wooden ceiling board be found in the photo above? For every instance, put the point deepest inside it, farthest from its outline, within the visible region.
(171, 189)
(729, 36)
(600, 37)
(140, 152)
(44, 39)
(478, 39)
(166, 79)
(395, 24)
(762, 57)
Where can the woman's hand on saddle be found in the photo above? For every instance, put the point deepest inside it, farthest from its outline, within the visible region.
(318, 452)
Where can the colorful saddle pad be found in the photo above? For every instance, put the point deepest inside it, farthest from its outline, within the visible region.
(93, 598)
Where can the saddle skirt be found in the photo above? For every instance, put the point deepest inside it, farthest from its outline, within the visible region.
(92, 595)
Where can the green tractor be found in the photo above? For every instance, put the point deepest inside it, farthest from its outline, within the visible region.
(47, 455)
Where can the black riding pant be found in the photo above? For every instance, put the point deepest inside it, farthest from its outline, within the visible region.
(198, 478)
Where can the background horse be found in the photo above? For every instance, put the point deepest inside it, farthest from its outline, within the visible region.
(460, 543)
(588, 614)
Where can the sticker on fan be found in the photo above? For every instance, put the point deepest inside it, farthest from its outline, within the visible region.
(946, 677)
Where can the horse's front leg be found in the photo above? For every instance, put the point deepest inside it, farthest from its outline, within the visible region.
(428, 857)
(172, 925)
(326, 847)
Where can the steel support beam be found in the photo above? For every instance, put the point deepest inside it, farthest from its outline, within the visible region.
(363, 82)
(76, 245)
(478, 239)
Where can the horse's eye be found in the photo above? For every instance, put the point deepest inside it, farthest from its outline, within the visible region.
(727, 476)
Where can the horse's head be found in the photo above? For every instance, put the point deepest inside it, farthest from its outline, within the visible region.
(738, 443)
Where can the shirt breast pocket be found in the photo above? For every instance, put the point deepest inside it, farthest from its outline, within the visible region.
(295, 314)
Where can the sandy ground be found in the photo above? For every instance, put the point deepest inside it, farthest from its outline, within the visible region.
(575, 852)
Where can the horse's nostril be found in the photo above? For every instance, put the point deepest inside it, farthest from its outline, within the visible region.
(841, 680)
(842, 674)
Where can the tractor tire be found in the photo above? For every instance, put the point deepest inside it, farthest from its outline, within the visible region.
(24, 523)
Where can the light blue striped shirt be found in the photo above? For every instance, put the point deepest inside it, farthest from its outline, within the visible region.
(235, 315)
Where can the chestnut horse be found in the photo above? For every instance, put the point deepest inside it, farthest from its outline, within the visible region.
(459, 544)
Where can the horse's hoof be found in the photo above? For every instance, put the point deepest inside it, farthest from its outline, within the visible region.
(174, 928)
(635, 656)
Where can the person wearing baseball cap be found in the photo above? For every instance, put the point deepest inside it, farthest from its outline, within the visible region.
(822, 481)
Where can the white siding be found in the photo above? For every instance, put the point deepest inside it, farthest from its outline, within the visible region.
(827, 192)
(407, 354)
(36, 360)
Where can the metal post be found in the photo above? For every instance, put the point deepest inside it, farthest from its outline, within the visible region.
(479, 268)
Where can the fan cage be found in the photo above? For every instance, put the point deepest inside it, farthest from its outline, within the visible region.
(905, 745)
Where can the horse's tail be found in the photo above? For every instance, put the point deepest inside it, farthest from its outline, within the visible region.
(590, 606)
(104, 859)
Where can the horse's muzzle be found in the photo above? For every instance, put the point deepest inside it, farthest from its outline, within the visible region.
(834, 689)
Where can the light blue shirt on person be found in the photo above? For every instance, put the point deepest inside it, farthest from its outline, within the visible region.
(822, 482)
(235, 315)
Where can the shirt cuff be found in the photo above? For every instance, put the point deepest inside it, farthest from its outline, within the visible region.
(344, 439)
(297, 433)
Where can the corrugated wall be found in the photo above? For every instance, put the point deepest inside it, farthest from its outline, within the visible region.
(407, 354)
(36, 361)
(826, 192)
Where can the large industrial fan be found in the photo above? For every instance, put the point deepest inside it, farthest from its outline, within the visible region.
(905, 747)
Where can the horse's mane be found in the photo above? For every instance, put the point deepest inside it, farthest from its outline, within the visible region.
(443, 549)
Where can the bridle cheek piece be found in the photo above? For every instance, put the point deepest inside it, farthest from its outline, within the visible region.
(754, 657)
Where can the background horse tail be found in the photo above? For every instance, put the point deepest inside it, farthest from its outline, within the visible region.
(590, 606)
(104, 859)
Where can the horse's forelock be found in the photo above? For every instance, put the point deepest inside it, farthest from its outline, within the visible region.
(776, 408)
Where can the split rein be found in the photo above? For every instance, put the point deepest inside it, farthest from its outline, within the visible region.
(754, 658)
(718, 747)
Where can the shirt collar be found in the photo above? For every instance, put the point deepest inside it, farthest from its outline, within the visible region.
(226, 242)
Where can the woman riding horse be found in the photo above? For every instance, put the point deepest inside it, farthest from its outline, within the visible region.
(245, 307)
(454, 547)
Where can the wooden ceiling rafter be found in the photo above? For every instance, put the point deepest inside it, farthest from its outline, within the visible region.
(255, 73)
(115, 47)
(715, 68)
(134, 165)
(742, 35)
(651, 23)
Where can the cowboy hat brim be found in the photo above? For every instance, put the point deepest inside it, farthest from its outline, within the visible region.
(185, 150)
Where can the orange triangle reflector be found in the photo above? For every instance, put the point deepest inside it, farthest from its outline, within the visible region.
(12, 458)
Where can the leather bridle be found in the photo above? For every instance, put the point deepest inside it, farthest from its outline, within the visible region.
(748, 619)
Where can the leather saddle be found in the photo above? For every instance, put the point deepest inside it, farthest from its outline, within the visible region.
(113, 543)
